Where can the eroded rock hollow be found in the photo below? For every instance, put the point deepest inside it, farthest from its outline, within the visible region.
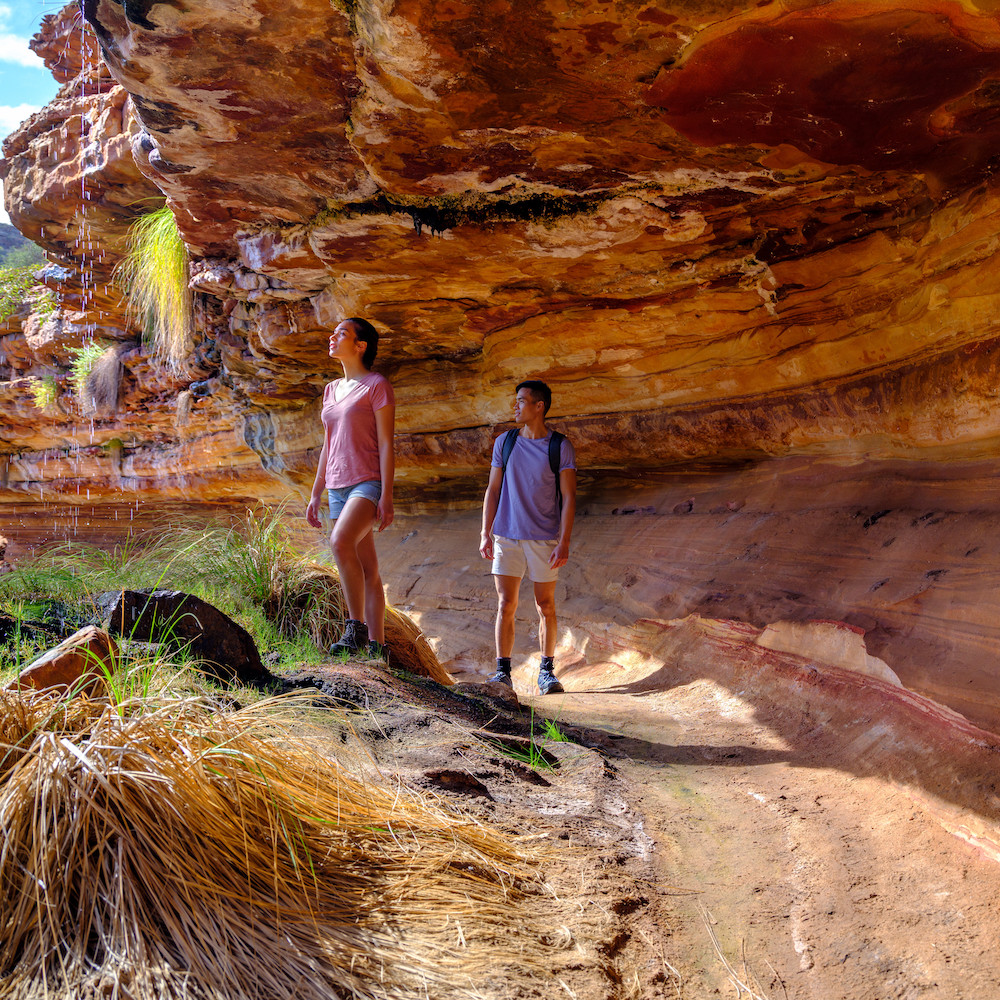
(750, 246)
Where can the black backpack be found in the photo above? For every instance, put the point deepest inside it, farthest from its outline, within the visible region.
(555, 451)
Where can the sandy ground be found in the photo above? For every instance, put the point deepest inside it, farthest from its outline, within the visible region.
(698, 845)
(727, 820)
(810, 882)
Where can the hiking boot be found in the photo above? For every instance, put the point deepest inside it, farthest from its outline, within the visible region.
(548, 683)
(377, 651)
(502, 677)
(354, 639)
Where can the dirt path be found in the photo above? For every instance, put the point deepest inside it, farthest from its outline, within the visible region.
(700, 842)
(814, 883)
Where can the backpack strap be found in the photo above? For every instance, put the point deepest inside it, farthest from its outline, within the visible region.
(509, 440)
(555, 457)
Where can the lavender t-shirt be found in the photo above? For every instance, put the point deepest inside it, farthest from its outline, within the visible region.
(528, 510)
(351, 433)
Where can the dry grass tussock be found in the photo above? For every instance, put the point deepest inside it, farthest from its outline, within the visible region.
(160, 849)
(316, 590)
(104, 381)
(300, 596)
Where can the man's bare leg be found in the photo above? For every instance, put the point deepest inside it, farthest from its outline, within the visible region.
(507, 597)
(545, 604)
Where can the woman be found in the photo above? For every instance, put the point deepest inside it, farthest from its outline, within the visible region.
(356, 467)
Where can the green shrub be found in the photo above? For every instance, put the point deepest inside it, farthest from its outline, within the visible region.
(44, 392)
(28, 254)
(14, 285)
(154, 276)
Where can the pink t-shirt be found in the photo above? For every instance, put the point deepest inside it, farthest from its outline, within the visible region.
(349, 424)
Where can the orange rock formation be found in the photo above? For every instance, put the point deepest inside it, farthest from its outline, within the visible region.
(750, 239)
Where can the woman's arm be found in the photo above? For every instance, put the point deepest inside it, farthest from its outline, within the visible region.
(319, 483)
(385, 424)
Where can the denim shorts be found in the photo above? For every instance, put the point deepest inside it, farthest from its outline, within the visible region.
(370, 490)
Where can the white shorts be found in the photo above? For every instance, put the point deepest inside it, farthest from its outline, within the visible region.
(514, 556)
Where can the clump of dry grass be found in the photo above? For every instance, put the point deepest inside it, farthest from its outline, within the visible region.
(163, 850)
(104, 380)
(316, 590)
(296, 594)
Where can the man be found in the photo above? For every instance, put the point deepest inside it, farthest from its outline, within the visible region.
(528, 515)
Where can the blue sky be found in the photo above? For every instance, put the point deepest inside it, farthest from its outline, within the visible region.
(25, 84)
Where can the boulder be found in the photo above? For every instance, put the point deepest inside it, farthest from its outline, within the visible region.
(835, 644)
(80, 664)
(7, 626)
(180, 621)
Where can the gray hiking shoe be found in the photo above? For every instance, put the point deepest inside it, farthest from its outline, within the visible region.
(548, 683)
(354, 639)
(502, 677)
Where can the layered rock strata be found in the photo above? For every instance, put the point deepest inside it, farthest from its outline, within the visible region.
(724, 232)
(858, 566)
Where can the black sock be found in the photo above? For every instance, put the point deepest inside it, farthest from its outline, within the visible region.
(547, 663)
(503, 664)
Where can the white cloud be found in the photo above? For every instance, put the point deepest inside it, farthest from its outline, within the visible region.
(14, 49)
(11, 115)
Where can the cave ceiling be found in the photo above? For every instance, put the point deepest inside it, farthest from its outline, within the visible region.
(719, 230)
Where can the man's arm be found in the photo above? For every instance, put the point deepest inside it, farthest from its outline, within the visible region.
(567, 484)
(490, 502)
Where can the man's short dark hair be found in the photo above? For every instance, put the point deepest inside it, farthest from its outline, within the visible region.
(364, 331)
(540, 392)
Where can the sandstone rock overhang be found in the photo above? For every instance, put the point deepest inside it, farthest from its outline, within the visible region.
(720, 233)
(724, 233)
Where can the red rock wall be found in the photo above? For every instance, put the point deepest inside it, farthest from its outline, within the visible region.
(719, 232)
(903, 555)
(726, 233)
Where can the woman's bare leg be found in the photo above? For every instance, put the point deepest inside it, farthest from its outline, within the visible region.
(374, 594)
(347, 540)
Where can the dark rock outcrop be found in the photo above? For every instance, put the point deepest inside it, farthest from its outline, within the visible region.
(183, 622)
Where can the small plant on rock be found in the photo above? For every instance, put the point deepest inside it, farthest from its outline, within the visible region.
(84, 359)
(154, 277)
(553, 733)
(44, 304)
(44, 392)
